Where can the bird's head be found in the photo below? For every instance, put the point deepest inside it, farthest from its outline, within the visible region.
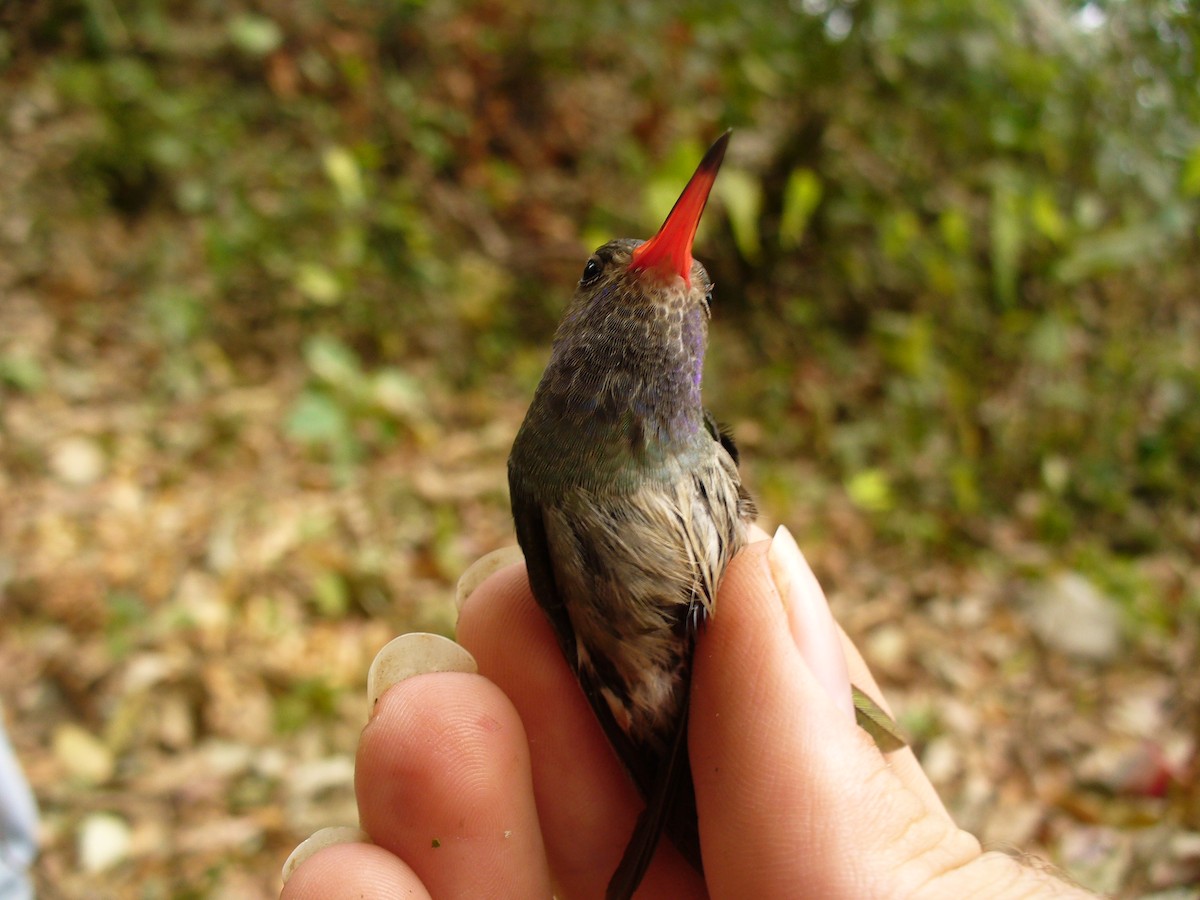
(660, 269)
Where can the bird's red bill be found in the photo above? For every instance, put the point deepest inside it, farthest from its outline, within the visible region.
(670, 251)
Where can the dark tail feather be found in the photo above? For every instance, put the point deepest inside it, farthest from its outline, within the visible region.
(662, 807)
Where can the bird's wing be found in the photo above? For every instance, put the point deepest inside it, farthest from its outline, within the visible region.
(747, 510)
(626, 582)
(722, 436)
(529, 518)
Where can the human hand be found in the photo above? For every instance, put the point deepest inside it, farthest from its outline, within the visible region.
(504, 785)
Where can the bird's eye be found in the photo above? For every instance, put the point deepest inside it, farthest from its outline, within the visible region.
(591, 271)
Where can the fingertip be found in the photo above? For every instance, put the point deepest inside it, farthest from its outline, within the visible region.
(781, 773)
(499, 610)
(482, 569)
(414, 653)
(353, 871)
(325, 837)
(744, 691)
(443, 782)
(747, 632)
(813, 629)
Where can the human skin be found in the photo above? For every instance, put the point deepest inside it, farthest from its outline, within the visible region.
(501, 783)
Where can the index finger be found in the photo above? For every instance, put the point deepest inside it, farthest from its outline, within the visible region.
(586, 803)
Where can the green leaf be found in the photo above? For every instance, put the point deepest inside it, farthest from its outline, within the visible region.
(870, 490)
(318, 284)
(1189, 184)
(1006, 239)
(1049, 340)
(1045, 216)
(330, 595)
(316, 418)
(333, 362)
(22, 371)
(255, 35)
(956, 231)
(875, 722)
(1111, 251)
(801, 195)
(901, 231)
(965, 483)
(662, 190)
(342, 169)
(742, 196)
(398, 393)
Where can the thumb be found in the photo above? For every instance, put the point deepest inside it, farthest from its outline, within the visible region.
(793, 798)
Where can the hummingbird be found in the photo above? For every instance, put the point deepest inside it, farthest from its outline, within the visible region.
(628, 506)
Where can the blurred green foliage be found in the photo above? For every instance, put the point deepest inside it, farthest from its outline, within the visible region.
(957, 244)
(345, 411)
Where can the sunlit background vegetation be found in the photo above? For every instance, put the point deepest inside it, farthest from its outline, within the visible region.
(277, 280)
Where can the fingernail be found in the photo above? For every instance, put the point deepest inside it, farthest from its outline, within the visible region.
(326, 837)
(482, 569)
(809, 617)
(415, 654)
